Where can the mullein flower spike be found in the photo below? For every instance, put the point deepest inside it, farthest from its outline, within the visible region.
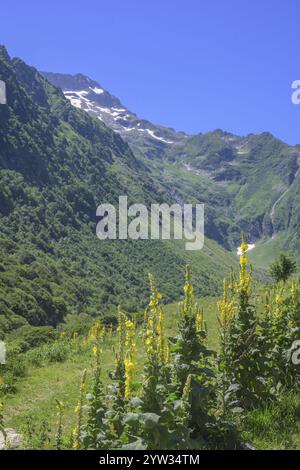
(130, 359)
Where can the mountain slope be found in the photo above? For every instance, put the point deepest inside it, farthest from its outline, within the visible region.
(90, 96)
(244, 181)
(57, 164)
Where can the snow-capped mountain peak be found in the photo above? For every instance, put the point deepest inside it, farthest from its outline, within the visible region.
(91, 97)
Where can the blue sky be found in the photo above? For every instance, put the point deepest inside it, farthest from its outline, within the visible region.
(195, 65)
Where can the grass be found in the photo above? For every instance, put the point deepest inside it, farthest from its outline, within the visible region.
(37, 392)
(275, 426)
(265, 252)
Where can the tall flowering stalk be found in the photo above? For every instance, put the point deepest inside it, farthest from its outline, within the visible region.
(157, 351)
(294, 328)
(97, 331)
(281, 327)
(155, 338)
(77, 438)
(244, 286)
(225, 319)
(186, 406)
(130, 359)
(295, 308)
(59, 430)
(226, 311)
(245, 366)
(192, 333)
(191, 358)
(124, 374)
(95, 435)
(119, 374)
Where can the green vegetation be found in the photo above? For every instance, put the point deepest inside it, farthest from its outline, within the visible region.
(166, 388)
(56, 165)
(208, 376)
(282, 268)
(248, 184)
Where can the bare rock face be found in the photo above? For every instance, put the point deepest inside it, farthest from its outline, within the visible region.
(13, 439)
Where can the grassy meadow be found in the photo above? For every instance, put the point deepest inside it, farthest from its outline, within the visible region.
(274, 426)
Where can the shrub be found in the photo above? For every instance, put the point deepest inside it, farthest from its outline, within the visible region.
(282, 268)
(28, 336)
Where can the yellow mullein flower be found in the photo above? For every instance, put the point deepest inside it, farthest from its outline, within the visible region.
(294, 294)
(59, 432)
(162, 340)
(226, 309)
(97, 330)
(79, 412)
(278, 304)
(187, 388)
(130, 360)
(199, 319)
(245, 276)
(188, 294)
(121, 331)
(154, 338)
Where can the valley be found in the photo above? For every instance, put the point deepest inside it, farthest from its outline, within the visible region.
(251, 175)
(66, 146)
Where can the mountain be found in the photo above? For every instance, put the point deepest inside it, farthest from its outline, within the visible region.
(90, 96)
(57, 164)
(249, 184)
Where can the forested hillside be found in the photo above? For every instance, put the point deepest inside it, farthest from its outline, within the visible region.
(57, 164)
(248, 183)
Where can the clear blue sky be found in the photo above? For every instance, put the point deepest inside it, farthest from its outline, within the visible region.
(195, 65)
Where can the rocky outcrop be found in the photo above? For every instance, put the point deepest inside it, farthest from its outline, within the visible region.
(10, 440)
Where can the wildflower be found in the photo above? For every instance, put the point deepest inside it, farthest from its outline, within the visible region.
(226, 309)
(188, 289)
(245, 280)
(79, 412)
(187, 388)
(155, 338)
(121, 330)
(294, 295)
(97, 331)
(130, 360)
(59, 432)
(162, 340)
(130, 369)
(278, 304)
(199, 319)
(188, 294)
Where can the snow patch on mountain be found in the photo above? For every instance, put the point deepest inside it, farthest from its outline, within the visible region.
(151, 133)
(96, 90)
(78, 98)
